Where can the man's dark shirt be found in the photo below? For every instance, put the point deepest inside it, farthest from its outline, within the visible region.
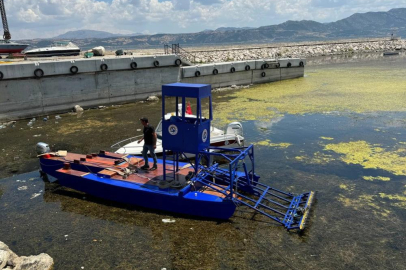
(148, 135)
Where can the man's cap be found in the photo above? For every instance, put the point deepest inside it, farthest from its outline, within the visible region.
(144, 119)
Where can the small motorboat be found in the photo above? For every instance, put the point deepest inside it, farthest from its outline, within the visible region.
(390, 53)
(232, 137)
(59, 48)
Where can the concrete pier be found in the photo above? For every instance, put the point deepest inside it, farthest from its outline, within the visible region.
(30, 89)
(244, 72)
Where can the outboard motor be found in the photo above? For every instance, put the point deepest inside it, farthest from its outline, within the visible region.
(235, 128)
(42, 148)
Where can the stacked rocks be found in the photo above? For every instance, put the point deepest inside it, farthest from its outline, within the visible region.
(10, 260)
(213, 55)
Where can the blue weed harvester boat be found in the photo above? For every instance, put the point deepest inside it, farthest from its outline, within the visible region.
(200, 187)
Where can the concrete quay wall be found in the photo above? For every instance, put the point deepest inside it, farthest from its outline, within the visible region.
(259, 71)
(58, 90)
(23, 95)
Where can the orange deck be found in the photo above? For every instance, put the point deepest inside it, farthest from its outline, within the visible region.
(98, 161)
(112, 171)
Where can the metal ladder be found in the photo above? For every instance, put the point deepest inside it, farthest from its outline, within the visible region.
(170, 166)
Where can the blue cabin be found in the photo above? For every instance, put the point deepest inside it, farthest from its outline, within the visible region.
(182, 133)
(185, 134)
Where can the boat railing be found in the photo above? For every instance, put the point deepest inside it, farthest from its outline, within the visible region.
(236, 159)
(123, 143)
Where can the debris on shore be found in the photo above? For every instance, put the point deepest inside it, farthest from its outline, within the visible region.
(77, 108)
(232, 87)
(152, 98)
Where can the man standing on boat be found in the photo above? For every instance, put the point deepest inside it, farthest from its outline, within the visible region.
(149, 143)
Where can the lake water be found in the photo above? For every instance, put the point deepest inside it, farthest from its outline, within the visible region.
(340, 131)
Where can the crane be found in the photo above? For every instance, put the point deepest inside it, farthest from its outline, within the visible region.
(7, 35)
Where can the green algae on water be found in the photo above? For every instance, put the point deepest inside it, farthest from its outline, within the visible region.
(365, 201)
(317, 158)
(370, 156)
(353, 90)
(270, 144)
(399, 200)
(326, 138)
(378, 178)
(347, 187)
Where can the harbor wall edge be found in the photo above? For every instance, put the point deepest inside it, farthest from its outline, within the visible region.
(30, 97)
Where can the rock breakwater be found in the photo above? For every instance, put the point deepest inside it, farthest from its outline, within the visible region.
(10, 260)
(306, 50)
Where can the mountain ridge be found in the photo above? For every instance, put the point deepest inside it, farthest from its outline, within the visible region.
(87, 33)
(358, 25)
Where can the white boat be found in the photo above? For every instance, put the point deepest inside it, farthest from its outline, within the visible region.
(60, 48)
(232, 137)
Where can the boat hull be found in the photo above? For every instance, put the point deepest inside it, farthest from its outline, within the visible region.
(6, 49)
(390, 53)
(187, 203)
(53, 53)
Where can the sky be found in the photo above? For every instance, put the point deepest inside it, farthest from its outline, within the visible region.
(48, 18)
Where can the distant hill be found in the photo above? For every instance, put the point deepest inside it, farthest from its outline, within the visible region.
(225, 29)
(359, 25)
(85, 34)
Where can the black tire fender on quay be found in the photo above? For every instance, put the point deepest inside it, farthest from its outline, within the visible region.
(1, 75)
(74, 69)
(263, 74)
(232, 70)
(289, 65)
(104, 67)
(263, 66)
(178, 62)
(38, 73)
(247, 67)
(266, 65)
(197, 73)
(215, 71)
(133, 65)
(301, 64)
(156, 63)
